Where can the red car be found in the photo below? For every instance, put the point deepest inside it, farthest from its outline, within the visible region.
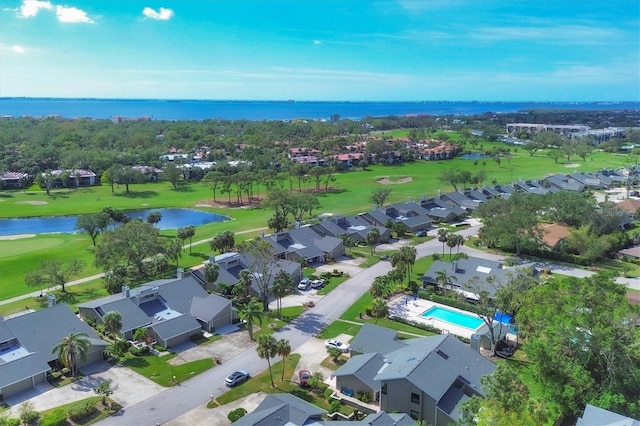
(305, 375)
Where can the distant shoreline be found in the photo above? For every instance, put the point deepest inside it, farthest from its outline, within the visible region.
(255, 110)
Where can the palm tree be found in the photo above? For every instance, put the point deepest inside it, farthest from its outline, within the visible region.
(72, 347)
(245, 279)
(443, 279)
(380, 287)
(409, 254)
(112, 323)
(459, 240)
(141, 334)
(266, 350)
(283, 348)
(281, 285)
(372, 239)
(451, 243)
(443, 235)
(379, 308)
(250, 312)
(211, 272)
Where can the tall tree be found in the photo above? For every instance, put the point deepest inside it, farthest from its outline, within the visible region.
(72, 347)
(153, 218)
(283, 348)
(261, 262)
(223, 241)
(372, 239)
(129, 245)
(53, 272)
(444, 279)
(92, 225)
(282, 285)
(172, 174)
(187, 232)
(580, 334)
(112, 321)
(251, 312)
(380, 196)
(267, 349)
(214, 178)
(443, 235)
(211, 272)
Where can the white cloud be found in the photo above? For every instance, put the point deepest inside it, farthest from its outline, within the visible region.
(161, 15)
(30, 8)
(17, 49)
(72, 15)
(317, 42)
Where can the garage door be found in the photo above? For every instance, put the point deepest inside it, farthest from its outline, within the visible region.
(15, 388)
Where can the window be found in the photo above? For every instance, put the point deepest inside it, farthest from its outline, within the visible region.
(415, 398)
(414, 414)
(384, 389)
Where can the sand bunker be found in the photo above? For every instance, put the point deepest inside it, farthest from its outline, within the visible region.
(33, 203)
(16, 237)
(572, 165)
(387, 181)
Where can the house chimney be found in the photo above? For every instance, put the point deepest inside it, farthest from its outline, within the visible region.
(180, 273)
(422, 197)
(454, 265)
(439, 192)
(297, 225)
(261, 234)
(409, 199)
(51, 300)
(126, 291)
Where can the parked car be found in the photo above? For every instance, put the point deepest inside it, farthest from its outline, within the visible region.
(236, 378)
(304, 283)
(421, 233)
(317, 283)
(305, 375)
(337, 344)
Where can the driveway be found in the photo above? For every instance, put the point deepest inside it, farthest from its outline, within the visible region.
(129, 388)
(345, 264)
(233, 342)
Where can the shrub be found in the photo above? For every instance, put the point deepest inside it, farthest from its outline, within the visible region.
(364, 396)
(159, 348)
(81, 410)
(327, 394)
(236, 414)
(27, 414)
(334, 406)
(56, 418)
(139, 351)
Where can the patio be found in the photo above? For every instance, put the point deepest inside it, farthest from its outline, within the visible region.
(412, 310)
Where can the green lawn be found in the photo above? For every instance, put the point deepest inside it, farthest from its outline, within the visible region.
(17, 257)
(160, 371)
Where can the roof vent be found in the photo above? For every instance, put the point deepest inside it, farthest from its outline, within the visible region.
(442, 354)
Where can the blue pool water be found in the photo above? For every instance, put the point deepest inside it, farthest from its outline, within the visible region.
(453, 317)
(171, 219)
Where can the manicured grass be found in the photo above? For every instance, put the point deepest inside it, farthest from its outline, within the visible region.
(332, 283)
(19, 256)
(160, 371)
(270, 325)
(102, 412)
(262, 382)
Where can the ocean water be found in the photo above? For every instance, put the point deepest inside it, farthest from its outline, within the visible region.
(269, 110)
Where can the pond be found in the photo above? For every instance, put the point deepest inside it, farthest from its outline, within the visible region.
(171, 219)
(473, 156)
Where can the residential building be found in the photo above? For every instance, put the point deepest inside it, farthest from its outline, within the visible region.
(428, 378)
(304, 244)
(355, 227)
(283, 409)
(231, 264)
(173, 310)
(27, 342)
(594, 416)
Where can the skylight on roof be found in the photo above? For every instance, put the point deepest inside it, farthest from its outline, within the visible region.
(483, 269)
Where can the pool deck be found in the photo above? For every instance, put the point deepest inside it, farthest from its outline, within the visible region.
(406, 307)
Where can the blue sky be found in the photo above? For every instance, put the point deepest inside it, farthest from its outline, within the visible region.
(522, 50)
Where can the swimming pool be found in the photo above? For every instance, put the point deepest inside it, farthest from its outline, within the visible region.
(453, 317)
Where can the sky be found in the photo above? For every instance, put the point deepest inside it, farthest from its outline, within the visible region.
(327, 50)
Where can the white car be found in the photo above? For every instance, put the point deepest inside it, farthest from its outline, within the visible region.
(236, 378)
(304, 284)
(337, 344)
(317, 283)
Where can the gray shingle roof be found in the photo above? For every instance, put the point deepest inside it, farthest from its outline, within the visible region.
(208, 308)
(364, 367)
(281, 409)
(168, 329)
(38, 332)
(594, 416)
(433, 364)
(373, 338)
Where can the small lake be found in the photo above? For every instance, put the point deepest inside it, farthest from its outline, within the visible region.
(473, 156)
(171, 219)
